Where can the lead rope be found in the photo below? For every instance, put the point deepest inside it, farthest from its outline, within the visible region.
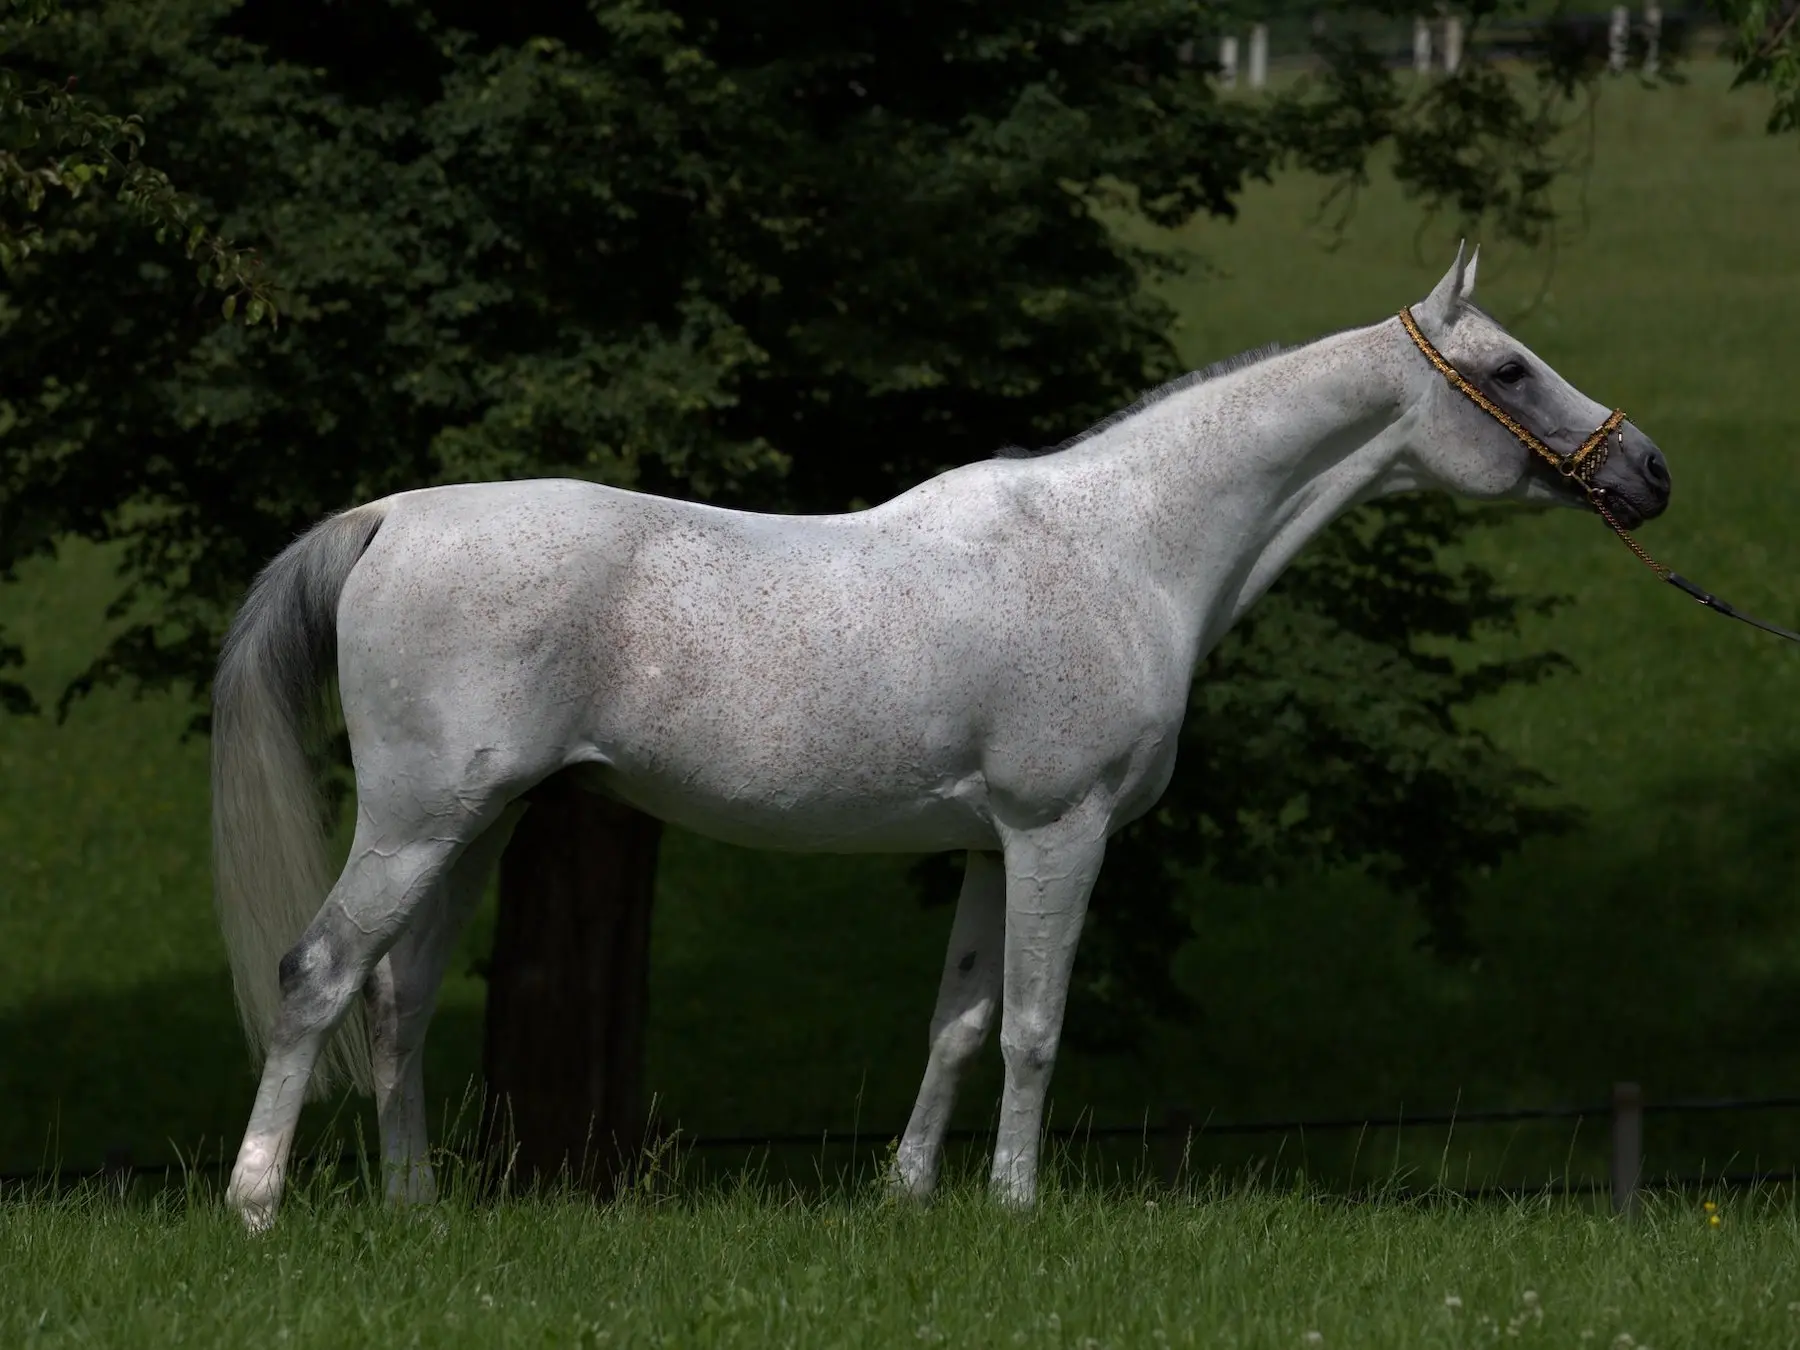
(1580, 468)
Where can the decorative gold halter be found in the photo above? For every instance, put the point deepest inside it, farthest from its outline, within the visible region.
(1580, 468)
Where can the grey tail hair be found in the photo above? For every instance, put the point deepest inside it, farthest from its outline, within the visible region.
(271, 867)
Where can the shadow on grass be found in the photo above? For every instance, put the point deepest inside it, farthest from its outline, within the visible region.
(1664, 948)
(159, 1073)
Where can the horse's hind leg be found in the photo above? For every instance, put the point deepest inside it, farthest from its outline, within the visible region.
(401, 996)
(391, 872)
(968, 994)
(1050, 872)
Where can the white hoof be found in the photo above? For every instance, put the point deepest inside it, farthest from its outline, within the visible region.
(255, 1190)
(1015, 1186)
(912, 1177)
(257, 1218)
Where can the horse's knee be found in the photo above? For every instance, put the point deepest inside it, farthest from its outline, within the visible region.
(959, 1039)
(1028, 1044)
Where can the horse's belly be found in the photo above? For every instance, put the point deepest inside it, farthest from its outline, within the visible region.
(895, 818)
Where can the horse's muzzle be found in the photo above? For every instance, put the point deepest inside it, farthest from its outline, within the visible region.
(1635, 479)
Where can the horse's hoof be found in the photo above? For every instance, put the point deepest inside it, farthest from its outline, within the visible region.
(911, 1179)
(1013, 1190)
(257, 1217)
(411, 1185)
(255, 1193)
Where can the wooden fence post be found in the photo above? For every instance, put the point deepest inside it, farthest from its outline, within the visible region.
(1627, 1146)
(1421, 47)
(1453, 44)
(1652, 37)
(1228, 63)
(568, 988)
(1259, 55)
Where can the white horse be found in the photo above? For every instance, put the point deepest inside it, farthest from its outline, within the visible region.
(997, 660)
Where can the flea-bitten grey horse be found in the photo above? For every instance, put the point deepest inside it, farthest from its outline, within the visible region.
(996, 661)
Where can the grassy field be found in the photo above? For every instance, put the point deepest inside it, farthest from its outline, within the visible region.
(1660, 943)
(1247, 1268)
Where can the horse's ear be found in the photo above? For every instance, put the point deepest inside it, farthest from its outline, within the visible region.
(1439, 308)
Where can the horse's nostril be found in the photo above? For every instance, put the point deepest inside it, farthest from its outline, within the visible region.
(1656, 469)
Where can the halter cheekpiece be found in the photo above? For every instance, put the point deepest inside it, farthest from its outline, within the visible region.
(1579, 467)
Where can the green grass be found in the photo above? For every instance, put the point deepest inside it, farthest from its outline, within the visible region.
(1660, 943)
(1227, 1268)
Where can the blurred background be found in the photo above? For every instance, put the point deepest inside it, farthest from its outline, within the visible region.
(1474, 815)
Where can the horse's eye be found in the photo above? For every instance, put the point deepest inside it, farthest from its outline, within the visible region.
(1511, 373)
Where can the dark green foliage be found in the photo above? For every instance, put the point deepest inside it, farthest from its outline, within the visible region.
(779, 255)
(1765, 42)
(56, 142)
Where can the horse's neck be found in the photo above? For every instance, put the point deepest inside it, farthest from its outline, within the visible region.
(1241, 471)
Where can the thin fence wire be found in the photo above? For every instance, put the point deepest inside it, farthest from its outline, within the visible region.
(1174, 1128)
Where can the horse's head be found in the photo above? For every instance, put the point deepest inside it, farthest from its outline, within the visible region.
(1499, 422)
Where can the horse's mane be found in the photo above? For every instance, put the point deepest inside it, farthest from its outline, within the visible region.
(1255, 356)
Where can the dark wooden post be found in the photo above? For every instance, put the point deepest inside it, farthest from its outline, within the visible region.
(563, 1050)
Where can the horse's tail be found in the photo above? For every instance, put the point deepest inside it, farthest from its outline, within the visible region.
(271, 867)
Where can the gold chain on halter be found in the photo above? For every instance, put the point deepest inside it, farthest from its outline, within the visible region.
(1580, 467)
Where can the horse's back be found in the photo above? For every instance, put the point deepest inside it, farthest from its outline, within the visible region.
(836, 682)
(755, 677)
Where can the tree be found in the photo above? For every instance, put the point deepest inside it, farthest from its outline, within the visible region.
(1766, 46)
(786, 255)
(56, 142)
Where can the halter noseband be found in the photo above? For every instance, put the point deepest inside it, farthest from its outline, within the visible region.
(1580, 468)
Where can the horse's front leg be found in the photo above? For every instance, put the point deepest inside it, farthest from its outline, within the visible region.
(1049, 874)
(968, 995)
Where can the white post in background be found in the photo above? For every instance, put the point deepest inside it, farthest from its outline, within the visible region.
(1421, 46)
(1228, 63)
(1618, 39)
(1259, 55)
(1652, 36)
(1453, 43)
